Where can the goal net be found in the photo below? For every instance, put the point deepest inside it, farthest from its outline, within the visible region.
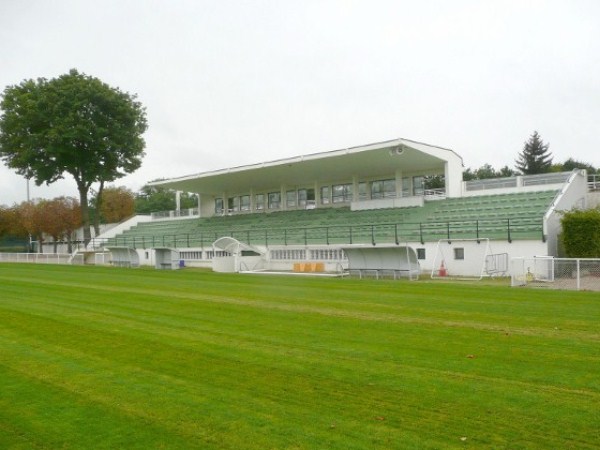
(556, 273)
(532, 271)
(465, 259)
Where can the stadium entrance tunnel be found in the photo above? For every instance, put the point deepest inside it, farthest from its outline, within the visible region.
(383, 262)
(231, 255)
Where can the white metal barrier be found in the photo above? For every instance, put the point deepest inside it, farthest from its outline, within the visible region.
(556, 273)
(36, 258)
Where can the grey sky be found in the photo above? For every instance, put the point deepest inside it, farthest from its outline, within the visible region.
(233, 82)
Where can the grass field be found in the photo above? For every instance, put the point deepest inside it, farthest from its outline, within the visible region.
(97, 358)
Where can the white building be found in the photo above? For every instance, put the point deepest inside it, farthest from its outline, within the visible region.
(300, 213)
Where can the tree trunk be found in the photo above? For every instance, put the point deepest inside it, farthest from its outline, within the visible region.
(85, 213)
(98, 208)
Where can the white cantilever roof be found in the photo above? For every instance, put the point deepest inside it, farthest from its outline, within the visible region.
(371, 160)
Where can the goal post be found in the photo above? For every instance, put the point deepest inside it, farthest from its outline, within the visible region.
(532, 271)
(461, 258)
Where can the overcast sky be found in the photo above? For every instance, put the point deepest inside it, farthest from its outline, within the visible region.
(234, 82)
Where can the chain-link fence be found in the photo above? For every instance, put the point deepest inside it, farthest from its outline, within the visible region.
(556, 273)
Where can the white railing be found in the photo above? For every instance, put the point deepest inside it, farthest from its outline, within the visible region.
(36, 258)
(594, 182)
(492, 183)
(546, 178)
(518, 181)
(434, 194)
(188, 212)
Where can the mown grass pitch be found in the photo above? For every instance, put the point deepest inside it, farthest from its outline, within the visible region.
(94, 358)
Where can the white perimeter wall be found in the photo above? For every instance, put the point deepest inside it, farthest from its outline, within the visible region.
(126, 225)
(472, 263)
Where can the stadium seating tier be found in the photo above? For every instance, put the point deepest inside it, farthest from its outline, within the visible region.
(504, 216)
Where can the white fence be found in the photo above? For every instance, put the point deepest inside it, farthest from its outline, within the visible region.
(556, 273)
(37, 258)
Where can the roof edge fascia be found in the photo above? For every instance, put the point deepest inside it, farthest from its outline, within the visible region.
(309, 157)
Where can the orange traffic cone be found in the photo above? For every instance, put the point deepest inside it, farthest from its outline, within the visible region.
(443, 272)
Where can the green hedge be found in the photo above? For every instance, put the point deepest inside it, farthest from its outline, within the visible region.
(581, 233)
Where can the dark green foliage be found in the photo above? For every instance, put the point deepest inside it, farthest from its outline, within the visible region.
(535, 157)
(156, 198)
(581, 233)
(13, 244)
(571, 164)
(73, 124)
(505, 172)
(487, 171)
(435, 182)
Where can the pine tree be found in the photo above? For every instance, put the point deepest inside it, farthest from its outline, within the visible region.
(535, 157)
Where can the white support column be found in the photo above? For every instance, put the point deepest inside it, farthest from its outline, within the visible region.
(398, 177)
(317, 195)
(355, 193)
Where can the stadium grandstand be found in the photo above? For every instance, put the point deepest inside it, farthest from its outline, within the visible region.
(309, 213)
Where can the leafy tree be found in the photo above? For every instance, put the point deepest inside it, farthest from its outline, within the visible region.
(487, 171)
(468, 174)
(62, 216)
(118, 203)
(435, 182)
(535, 157)
(12, 235)
(70, 216)
(505, 172)
(31, 217)
(52, 224)
(10, 222)
(571, 164)
(4, 221)
(157, 198)
(74, 124)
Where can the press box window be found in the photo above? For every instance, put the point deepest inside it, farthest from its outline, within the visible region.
(342, 193)
(405, 187)
(233, 204)
(274, 200)
(362, 191)
(306, 198)
(260, 201)
(418, 185)
(290, 199)
(383, 189)
(245, 203)
(218, 206)
(325, 195)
